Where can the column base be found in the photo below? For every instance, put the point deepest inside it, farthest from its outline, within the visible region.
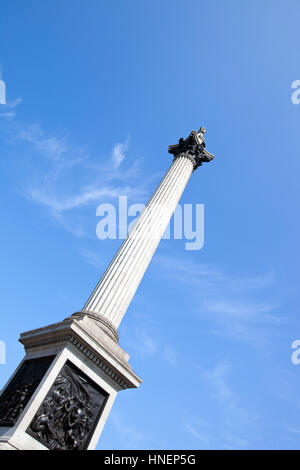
(61, 394)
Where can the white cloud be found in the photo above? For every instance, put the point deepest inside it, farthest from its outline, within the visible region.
(66, 203)
(66, 179)
(50, 147)
(14, 103)
(217, 377)
(209, 276)
(227, 301)
(8, 106)
(143, 344)
(93, 258)
(201, 436)
(9, 114)
(144, 340)
(118, 153)
(239, 425)
(170, 355)
(132, 437)
(295, 431)
(236, 308)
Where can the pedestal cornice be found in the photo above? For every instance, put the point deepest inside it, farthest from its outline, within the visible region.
(83, 334)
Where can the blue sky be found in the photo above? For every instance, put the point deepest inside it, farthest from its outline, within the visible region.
(208, 331)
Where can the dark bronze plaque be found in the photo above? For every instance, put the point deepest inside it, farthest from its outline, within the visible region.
(70, 412)
(21, 388)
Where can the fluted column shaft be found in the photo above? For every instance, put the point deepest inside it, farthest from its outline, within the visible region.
(113, 293)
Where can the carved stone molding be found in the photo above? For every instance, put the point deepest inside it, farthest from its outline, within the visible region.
(84, 349)
(105, 324)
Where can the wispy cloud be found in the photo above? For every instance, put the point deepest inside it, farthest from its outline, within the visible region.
(129, 435)
(142, 343)
(208, 275)
(217, 378)
(118, 153)
(8, 108)
(67, 203)
(50, 147)
(238, 426)
(236, 308)
(292, 434)
(66, 180)
(93, 258)
(9, 114)
(294, 431)
(14, 103)
(145, 341)
(170, 355)
(200, 436)
(228, 302)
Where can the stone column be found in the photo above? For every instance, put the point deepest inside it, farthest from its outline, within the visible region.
(113, 293)
(119, 283)
(62, 392)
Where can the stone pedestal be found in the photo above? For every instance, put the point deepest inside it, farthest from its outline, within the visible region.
(61, 394)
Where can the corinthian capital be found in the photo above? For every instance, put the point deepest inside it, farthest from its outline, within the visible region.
(193, 147)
